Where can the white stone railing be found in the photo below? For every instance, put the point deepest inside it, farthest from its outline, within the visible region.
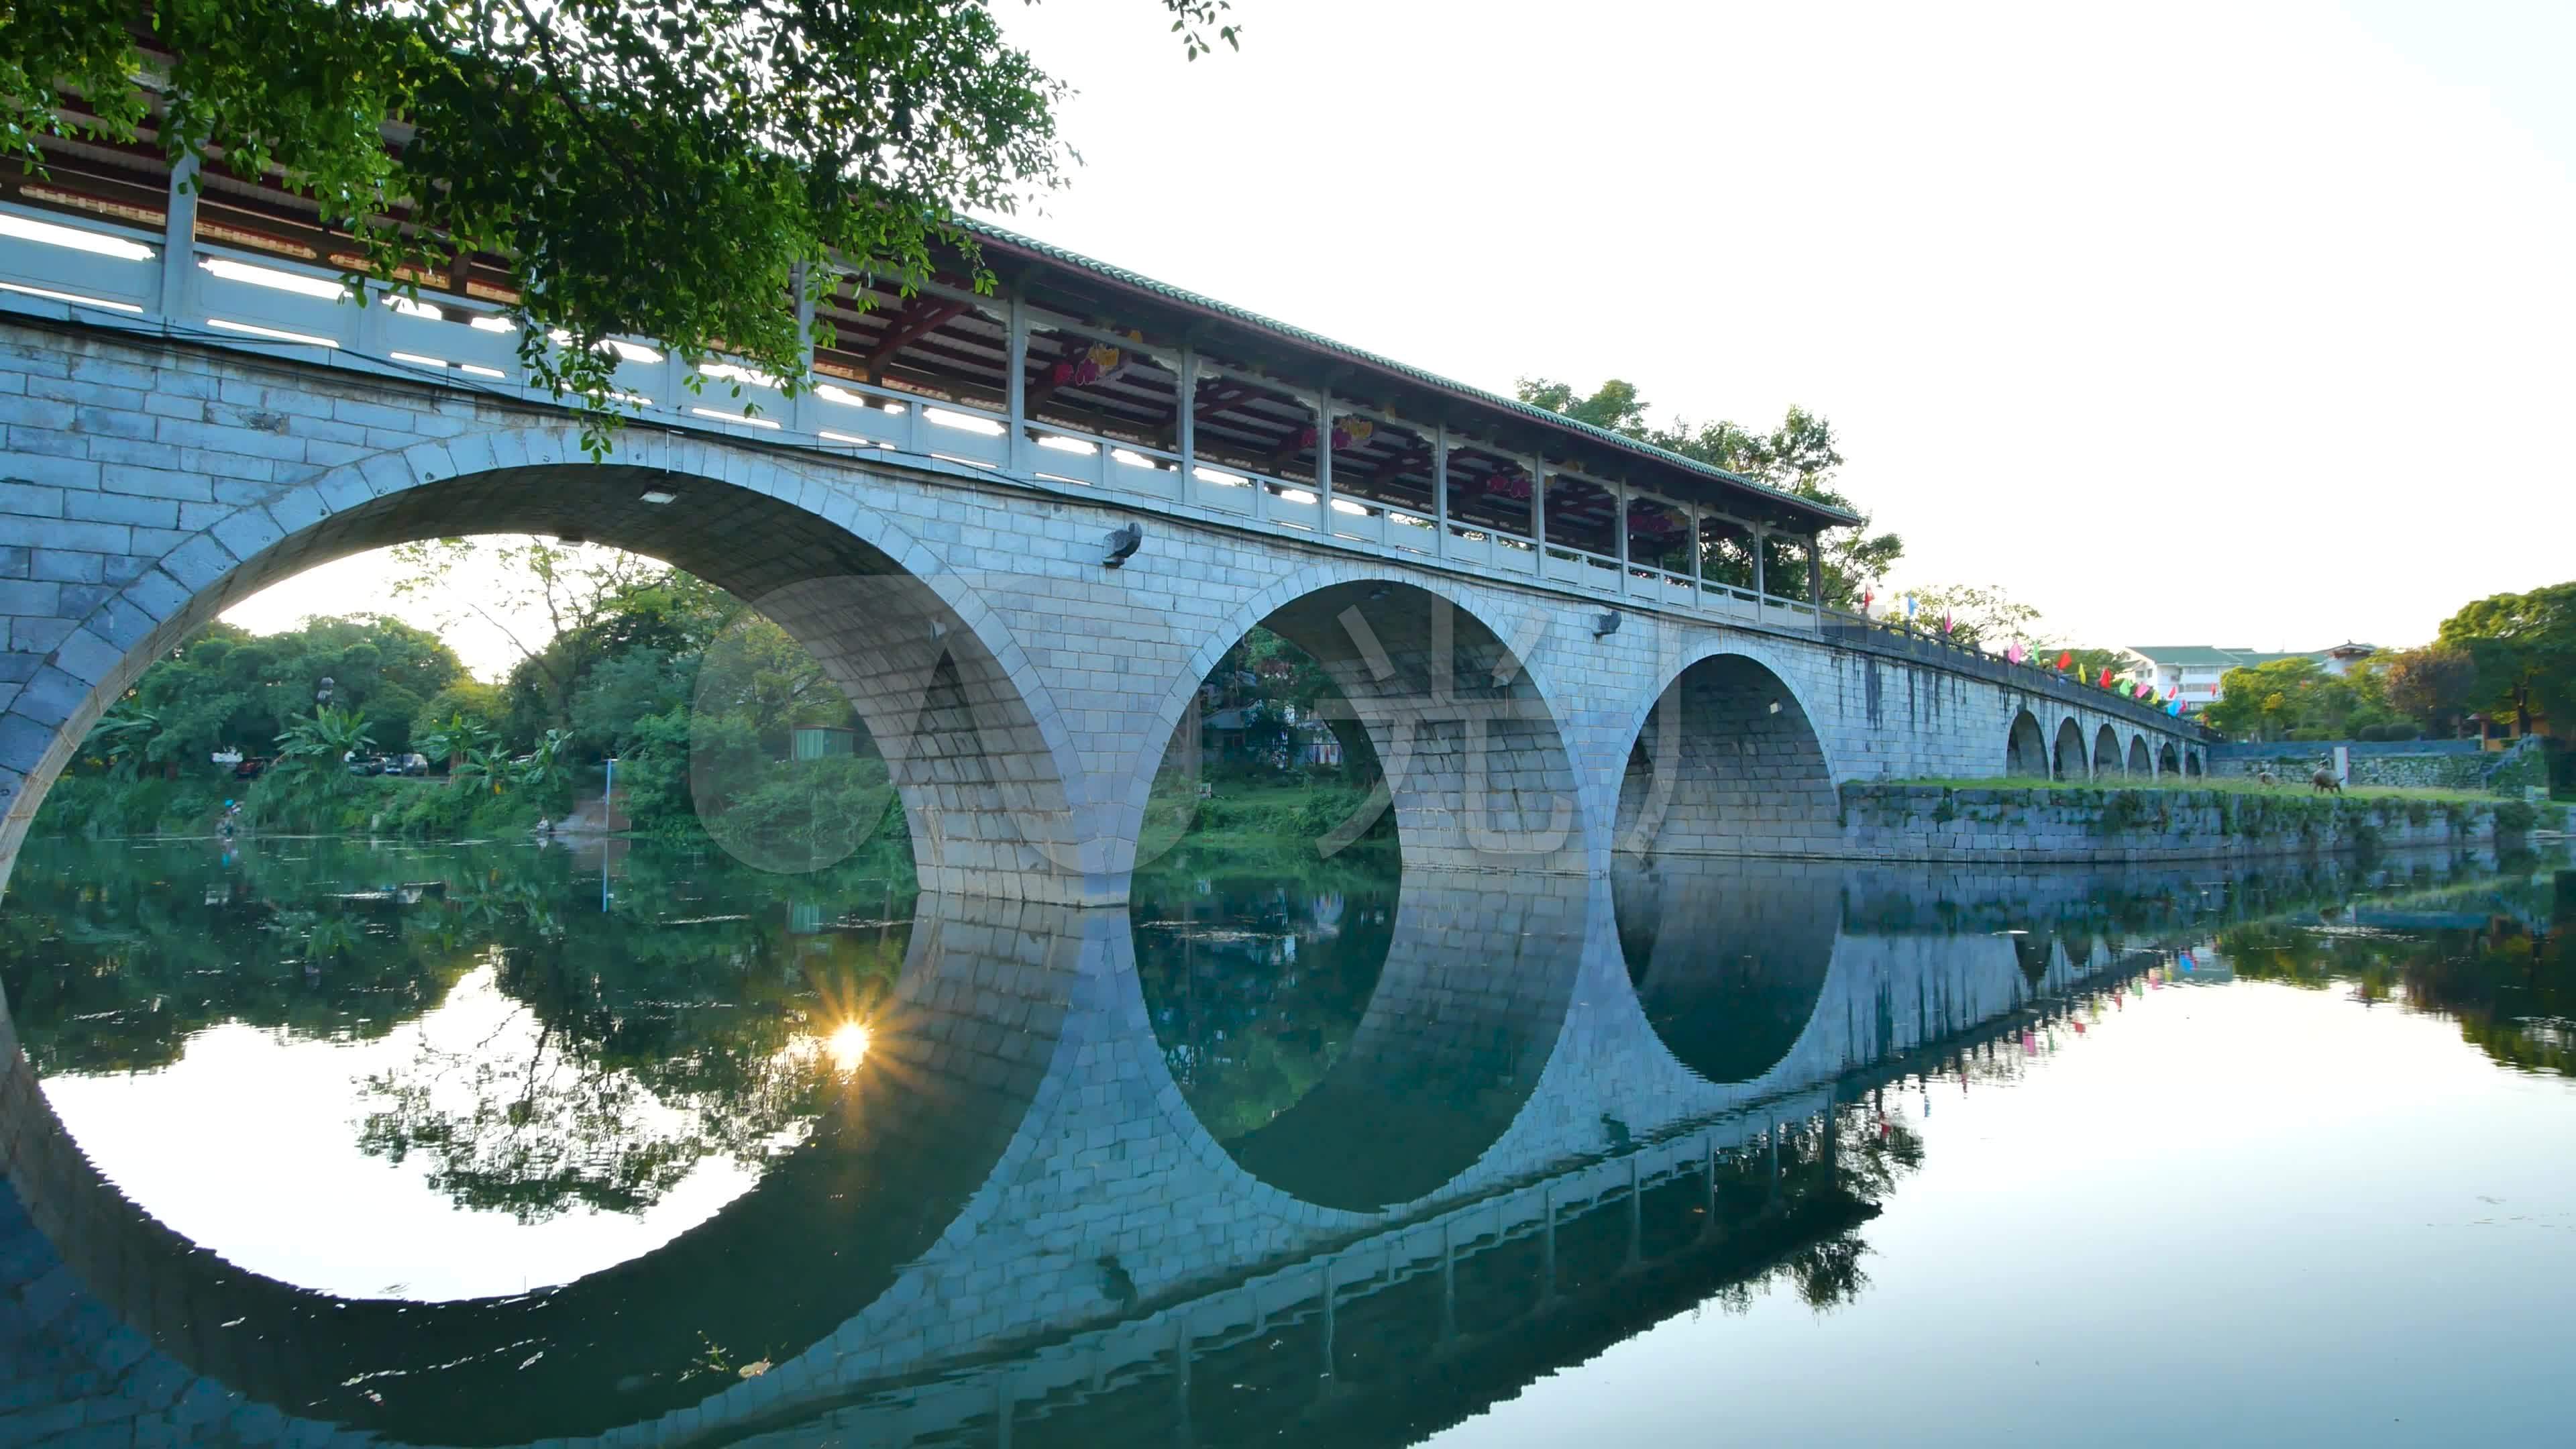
(99, 271)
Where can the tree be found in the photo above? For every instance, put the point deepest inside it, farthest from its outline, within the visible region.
(656, 168)
(2296, 699)
(573, 588)
(1982, 616)
(2434, 685)
(2524, 649)
(1798, 458)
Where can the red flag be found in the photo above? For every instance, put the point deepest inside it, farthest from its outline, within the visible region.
(2066, 660)
(2106, 676)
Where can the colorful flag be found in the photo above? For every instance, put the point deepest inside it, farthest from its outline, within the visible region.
(2016, 653)
(2106, 676)
(1945, 623)
(2066, 661)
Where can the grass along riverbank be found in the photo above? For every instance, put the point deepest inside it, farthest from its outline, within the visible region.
(2213, 784)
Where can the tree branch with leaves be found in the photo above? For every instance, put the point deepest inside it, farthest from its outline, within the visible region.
(653, 168)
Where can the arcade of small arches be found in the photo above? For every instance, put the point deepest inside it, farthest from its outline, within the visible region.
(2108, 755)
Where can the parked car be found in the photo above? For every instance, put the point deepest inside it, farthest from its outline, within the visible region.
(414, 764)
(365, 764)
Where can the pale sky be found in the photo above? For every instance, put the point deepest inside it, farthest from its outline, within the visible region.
(2243, 324)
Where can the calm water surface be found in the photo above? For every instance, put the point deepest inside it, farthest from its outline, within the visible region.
(494, 1144)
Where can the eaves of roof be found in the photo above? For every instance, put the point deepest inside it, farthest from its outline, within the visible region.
(992, 235)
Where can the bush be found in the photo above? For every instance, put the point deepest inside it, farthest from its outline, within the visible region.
(2386, 733)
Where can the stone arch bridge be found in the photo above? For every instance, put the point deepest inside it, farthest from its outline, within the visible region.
(1017, 539)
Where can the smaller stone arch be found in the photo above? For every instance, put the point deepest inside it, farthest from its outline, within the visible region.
(2025, 749)
(2068, 762)
(2141, 764)
(2191, 765)
(2168, 759)
(2107, 760)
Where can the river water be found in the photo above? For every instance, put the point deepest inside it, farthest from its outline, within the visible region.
(492, 1144)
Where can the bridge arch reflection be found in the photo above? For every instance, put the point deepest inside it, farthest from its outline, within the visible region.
(900, 1150)
(1422, 1070)
(1729, 958)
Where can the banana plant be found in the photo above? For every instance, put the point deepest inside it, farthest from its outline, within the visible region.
(330, 736)
(544, 768)
(484, 765)
(123, 737)
(461, 736)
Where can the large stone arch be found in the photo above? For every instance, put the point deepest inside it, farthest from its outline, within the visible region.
(979, 756)
(2168, 760)
(2107, 759)
(1726, 760)
(2066, 760)
(961, 1056)
(2191, 763)
(2141, 765)
(2026, 749)
(1479, 769)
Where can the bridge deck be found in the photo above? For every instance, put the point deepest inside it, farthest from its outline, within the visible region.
(1003, 389)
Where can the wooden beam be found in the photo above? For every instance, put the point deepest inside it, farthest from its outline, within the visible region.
(919, 320)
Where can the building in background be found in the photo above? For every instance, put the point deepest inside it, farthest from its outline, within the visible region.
(2194, 671)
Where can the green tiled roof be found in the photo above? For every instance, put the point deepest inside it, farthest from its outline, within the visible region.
(2211, 656)
(1184, 297)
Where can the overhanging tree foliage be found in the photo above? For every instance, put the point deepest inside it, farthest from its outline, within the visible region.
(2523, 647)
(656, 168)
(1798, 457)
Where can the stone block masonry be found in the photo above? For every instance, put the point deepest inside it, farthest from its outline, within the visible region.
(1024, 694)
(2089, 826)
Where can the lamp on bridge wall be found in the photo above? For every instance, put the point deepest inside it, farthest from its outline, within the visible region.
(1121, 545)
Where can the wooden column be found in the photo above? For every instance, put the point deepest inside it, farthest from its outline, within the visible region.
(1699, 589)
(800, 409)
(1016, 365)
(1538, 512)
(1324, 466)
(179, 243)
(1619, 495)
(1761, 535)
(1186, 437)
(1440, 492)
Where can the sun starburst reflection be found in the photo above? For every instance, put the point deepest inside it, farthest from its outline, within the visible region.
(847, 1046)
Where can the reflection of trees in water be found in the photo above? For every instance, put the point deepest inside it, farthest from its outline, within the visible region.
(1255, 990)
(1855, 1155)
(2495, 960)
(613, 1048)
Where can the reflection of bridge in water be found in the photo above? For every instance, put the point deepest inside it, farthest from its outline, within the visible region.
(1568, 1110)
